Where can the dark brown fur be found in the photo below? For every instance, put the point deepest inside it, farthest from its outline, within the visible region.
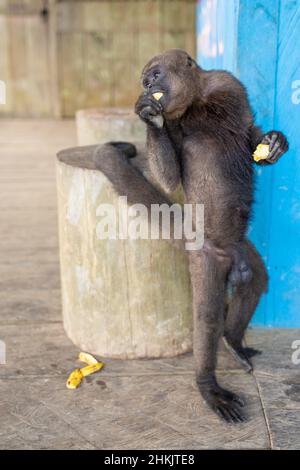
(201, 133)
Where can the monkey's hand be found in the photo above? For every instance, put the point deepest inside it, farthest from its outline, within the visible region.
(149, 110)
(278, 146)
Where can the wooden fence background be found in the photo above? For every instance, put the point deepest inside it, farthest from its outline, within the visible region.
(59, 56)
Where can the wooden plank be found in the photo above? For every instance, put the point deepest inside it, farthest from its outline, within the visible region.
(37, 67)
(83, 49)
(257, 69)
(71, 76)
(17, 37)
(190, 32)
(173, 39)
(69, 17)
(284, 251)
(53, 58)
(148, 15)
(217, 32)
(125, 84)
(98, 69)
(268, 64)
(240, 49)
(174, 15)
(21, 7)
(273, 360)
(5, 67)
(149, 44)
(97, 16)
(148, 36)
(115, 411)
(123, 15)
(24, 38)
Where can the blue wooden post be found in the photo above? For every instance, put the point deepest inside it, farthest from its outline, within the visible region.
(259, 41)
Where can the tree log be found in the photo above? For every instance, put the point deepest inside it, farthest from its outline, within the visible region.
(105, 124)
(121, 298)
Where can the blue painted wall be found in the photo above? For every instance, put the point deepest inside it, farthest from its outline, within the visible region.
(259, 41)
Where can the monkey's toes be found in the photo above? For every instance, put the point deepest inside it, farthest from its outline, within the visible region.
(251, 352)
(127, 149)
(234, 397)
(229, 413)
(224, 403)
(239, 355)
(227, 406)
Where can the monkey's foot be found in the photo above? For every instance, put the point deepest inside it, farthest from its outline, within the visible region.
(224, 403)
(126, 148)
(241, 354)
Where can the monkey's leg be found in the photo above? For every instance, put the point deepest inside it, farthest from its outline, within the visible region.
(127, 179)
(242, 306)
(117, 162)
(209, 282)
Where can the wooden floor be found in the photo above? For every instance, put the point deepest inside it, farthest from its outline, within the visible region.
(130, 404)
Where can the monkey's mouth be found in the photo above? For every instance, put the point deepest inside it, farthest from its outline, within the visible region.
(159, 95)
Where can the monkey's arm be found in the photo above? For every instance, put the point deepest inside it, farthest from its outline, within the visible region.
(275, 139)
(163, 161)
(228, 95)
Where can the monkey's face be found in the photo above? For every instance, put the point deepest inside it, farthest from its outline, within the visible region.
(173, 73)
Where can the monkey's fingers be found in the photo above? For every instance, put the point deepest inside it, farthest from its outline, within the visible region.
(147, 101)
(150, 116)
(278, 145)
(278, 150)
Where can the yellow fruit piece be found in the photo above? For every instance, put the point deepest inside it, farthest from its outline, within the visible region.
(91, 368)
(77, 375)
(262, 152)
(74, 379)
(87, 358)
(157, 95)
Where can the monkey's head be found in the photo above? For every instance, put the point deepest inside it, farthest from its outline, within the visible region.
(175, 74)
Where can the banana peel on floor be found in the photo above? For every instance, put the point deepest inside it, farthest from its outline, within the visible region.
(76, 377)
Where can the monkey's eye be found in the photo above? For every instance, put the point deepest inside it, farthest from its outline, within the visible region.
(156, 74)
(190, 62)
(146, 83)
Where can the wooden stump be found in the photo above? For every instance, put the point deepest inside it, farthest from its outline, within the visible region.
(105, 124)
(121, 298)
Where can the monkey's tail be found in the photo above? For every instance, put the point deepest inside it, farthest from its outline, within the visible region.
(127, 148)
